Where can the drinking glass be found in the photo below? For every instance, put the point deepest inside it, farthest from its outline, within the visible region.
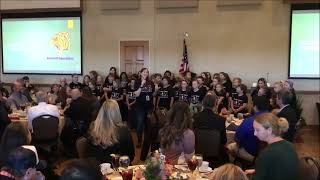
(192, 164)
(115, 161)
(199, 159)
(124, 161)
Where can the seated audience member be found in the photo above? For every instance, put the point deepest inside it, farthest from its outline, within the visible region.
(17, 98)
(107, 135)
(207, 119)
(246, 145)
(239, 103)
(81, 170)
(262, 84)
(226, 82)
(4, 119)
(78, 110)
(16, 134)
(21, 164)
(279, 159)
(286, 111)
(177, 139)
(94, 103)
(43, 108)
(228, 172)
(75, 82)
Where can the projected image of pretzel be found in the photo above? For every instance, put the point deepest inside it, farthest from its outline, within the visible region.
(61, 40)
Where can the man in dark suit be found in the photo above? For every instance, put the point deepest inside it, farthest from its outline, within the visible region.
(78, 110)
(284, 99)
(209, 120)
(77, 120)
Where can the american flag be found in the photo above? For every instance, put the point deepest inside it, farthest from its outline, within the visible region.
(184, 66)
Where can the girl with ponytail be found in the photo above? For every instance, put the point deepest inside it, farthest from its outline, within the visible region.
(279, 159)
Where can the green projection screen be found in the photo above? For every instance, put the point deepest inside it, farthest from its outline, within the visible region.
(41, 44)
(304, 46)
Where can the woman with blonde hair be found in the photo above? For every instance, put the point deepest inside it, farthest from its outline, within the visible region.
(228, 172)
(279, 159)
(107, 135)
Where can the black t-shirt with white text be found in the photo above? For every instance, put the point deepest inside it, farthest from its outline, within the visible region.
(196, 96)
(238, 101)
(164, 97)
(183, 96)
(116, 93)
(130, 94)
(146, 96)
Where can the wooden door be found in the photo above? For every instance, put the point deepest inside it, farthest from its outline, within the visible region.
(134, 55)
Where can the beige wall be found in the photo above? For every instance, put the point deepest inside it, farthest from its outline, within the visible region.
(248, 41)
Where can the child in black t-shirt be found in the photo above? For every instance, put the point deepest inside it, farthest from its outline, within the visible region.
(222, 104)
(99, 84)
(239, 103)
(93, 89)
(235, 83)
(117, 92)
(196, 96)
(165, 95)
(117, 95)
(176, 89)
(183, 93)
(108, 84)
(215, 81)
(202, 86)
(131, 101)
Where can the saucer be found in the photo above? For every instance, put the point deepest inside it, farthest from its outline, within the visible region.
(205, 170)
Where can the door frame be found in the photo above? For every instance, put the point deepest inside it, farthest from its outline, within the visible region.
(128, 39)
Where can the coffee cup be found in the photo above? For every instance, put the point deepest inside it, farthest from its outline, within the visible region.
(205, 165)
(104, 167)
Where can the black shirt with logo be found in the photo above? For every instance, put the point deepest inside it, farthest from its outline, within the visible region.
(238, 101)
(164, 97)
(146, 96)
(183, 96)
(77, 85)
(116, 93)
(196, 96)
(130, 95)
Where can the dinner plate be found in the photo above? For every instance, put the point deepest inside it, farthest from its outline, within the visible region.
(203, 170)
